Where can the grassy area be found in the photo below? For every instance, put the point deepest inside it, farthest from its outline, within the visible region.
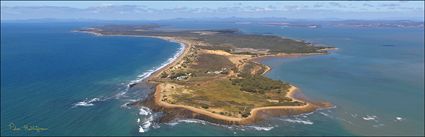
(227, 40)
(274, 43)
(210, 65)
(260, 84)
(253, 68)
(212, 62)
(223, 96)
(215, 83)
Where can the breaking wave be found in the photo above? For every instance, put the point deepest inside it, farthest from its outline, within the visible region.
(399, 119)
(367, 118)
(141, 77)
(145, 75)
(300, 121)
(259, 128)
(146, 119)
(87, 102)
(233, 127)
(196, 121)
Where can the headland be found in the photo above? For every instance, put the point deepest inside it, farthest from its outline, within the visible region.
(217, 76)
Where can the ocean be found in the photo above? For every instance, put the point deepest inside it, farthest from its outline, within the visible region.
(76, 84)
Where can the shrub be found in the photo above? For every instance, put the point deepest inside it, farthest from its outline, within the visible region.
(204, 106)
(164, 75)
(246, 114)
(258, 83)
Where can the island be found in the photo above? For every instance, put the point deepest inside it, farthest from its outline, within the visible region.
(218, 77)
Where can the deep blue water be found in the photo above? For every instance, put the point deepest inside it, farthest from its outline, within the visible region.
(46, 69)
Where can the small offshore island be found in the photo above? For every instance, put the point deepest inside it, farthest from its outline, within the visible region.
(217, 77)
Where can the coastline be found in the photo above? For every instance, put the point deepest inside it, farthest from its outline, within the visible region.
(186, 46)
(148, 77)
(256, 114)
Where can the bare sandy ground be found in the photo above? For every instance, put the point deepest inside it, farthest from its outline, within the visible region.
(288, 110)
(308, 107)
(250, 119)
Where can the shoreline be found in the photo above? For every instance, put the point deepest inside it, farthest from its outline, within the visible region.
(255, 113)
(185, 46)
(176, 58)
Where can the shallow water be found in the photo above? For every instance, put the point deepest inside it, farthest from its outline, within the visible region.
(378, 89)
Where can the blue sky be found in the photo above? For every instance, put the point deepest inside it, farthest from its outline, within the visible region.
(156, 10)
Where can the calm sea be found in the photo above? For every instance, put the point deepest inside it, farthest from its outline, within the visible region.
(75, 83)
(72, 83)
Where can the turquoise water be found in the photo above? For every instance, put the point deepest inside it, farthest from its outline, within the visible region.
(364, 78)
(375, 79)
(46, 69)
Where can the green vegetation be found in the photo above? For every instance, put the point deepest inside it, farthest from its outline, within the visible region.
(215, 83)
(252, 66)
(260, 84)
(227, 48)
(226, 39)
(274, 43)
(227, 97)
(210, 63)
(176, 75)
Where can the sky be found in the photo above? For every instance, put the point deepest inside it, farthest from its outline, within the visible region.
(157, 10)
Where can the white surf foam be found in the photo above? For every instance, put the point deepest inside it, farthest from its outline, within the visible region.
(144, 111)
(398, 119)
(126, 104)
(324, 114)
(145, 75)
(146, 121)
(172, 123)
(368, 118)
(230, 127)
(87, 102)
(141, 77)
(300, 121)
(141, 130)
(259, 128)
(121, 94)
(194, 121)
(83, 104)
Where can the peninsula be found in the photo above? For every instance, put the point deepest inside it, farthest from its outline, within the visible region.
(218, 78)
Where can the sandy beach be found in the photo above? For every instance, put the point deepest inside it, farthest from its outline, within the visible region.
(255, 113)
(308, 107)
(271, 110)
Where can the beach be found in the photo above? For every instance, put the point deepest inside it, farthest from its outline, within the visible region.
(362, 79)
(254, 117)
(256, 114)
(207, 115)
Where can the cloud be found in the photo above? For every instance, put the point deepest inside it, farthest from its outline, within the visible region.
(390, 5)
(368, 5)
(128, 12)
(317, 5)
(336, 4)
(291, 7)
